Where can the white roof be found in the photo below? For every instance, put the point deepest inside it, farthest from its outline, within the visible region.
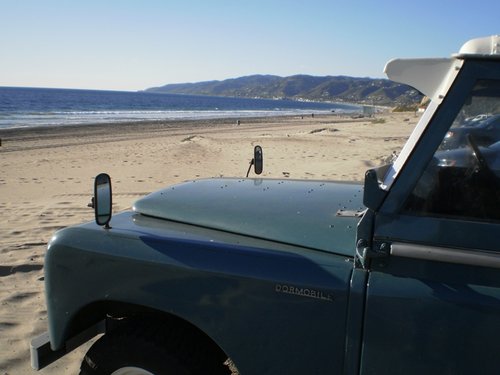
(425, 75)
(432, 77)
(484, 47)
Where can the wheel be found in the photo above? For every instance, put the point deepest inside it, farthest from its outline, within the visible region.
(148, 350)
(120, 354)
(131, 371)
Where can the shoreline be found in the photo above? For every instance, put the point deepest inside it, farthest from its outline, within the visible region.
(168, 122)
(118, 131)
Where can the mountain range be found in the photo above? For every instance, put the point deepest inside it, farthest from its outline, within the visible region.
(370, 91)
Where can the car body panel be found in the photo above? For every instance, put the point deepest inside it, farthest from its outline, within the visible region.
(302, 213)
(443, 318)
(283, 294)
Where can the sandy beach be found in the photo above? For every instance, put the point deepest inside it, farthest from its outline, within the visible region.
(46, 182)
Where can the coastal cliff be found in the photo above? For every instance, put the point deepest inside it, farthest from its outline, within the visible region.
(302, 87)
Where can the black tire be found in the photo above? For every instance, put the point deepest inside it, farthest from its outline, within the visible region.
(147, 351)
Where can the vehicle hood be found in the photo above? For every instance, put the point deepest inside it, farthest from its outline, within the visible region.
(315, 214)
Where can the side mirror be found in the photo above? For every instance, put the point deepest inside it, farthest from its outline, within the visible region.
(373, 194)
(102, 199)
(257, 161)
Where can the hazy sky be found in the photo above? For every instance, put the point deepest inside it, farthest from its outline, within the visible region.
(132, 45)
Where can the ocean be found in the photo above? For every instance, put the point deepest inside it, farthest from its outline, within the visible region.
(34, 107)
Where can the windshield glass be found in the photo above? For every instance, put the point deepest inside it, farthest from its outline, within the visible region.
(463, 178)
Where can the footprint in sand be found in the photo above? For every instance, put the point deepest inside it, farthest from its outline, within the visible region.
(10, 270)
(20, 296)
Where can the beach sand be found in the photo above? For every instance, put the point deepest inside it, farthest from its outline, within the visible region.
(46, 182)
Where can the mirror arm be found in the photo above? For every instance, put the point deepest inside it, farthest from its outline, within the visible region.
(252, 162)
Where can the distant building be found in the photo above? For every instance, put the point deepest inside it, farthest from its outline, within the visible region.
(368, 110)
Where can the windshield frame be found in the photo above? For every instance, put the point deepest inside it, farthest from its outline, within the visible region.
(440, 92)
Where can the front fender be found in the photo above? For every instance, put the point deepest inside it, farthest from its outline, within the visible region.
(231, 287)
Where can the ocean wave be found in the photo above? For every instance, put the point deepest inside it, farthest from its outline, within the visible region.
(60, 118)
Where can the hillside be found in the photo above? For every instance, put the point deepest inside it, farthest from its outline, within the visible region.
(302, 87)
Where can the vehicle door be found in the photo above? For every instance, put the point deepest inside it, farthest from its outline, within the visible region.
(433, 301)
